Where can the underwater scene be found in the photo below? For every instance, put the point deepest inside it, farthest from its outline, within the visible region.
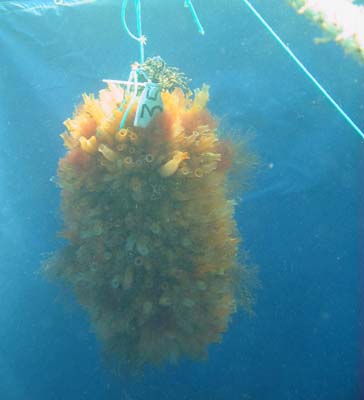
(182, 200)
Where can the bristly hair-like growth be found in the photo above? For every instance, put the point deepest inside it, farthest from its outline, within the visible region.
(152, 251)
(169, 78)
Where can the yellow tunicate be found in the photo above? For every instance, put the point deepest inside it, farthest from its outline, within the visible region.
(88, 145)
(107, 101)
(205, 143)
(133, 137)
(68, 140)
(192, 138)
(142, 247)
(93, 107)
(135, 184)
(121, 147)
(185, 170)
(121, 135)
(170, 167)
(128, 278)
(116, 91)
(115, 282)
(128, 161)
(209, 156)
(155, 228)
(119, 163)
(108, 153)
(138, 261)
(68, 123)
(201, 97)
(72, 126)
(107, 130)
(149, 158)
(198, 173)
(208, 168)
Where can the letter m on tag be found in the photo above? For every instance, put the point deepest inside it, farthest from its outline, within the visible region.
(150, 104)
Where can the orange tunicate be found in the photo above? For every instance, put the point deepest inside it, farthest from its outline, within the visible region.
(81, 125)
(151, 229)
(76, 157)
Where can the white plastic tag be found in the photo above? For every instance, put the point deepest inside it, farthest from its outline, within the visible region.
(150, 104)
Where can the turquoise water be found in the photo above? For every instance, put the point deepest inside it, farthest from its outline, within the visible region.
(302, 218)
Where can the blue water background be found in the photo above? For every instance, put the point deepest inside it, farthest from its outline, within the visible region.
(301, 219)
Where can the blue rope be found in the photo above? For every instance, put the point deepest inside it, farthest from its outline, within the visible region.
(140, 37)
(139, 29)
(188, 4)
(305, 70)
